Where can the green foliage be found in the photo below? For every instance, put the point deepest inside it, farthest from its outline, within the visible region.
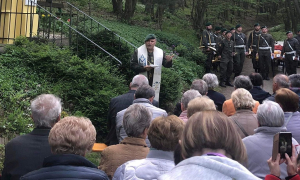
(94, 157)
(197, 56)
(278, 32)
(181, 50)
(2, 152)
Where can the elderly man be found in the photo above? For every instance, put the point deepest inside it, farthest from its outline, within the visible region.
(212, 82)
(279, 81)
(144, 95)
(186, 98)
(27, 152)
(295, 85)
(259, 146)
(122, 102)
(239, 82)
(148, 60)
(70, 139)
(136, 122)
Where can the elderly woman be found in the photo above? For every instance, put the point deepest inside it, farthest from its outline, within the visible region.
(164, 134)
(200, 104)
(212, 149)
(288, 101)
(244, 119)
(186, 98)
(70, 139)
(257, 92)
(212, 82)
(259, 146)
(136, 122)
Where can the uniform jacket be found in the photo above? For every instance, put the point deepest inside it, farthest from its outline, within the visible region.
(258, 94)
(226, 48)
(217, 97)
(266, 40)
(253, 43)
(246, 119)
(293, 125)
(114, 156)
(156, 112)
(157, 163)
(298, 38)
(207, 38)
(118, 104)
(66, 166)
(229, 110)
(183, 116)
(259, 150)
(294, 44)
(240, 39)
(26, 153)
(208, 168)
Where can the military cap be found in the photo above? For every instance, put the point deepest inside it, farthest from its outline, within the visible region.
(208, 24)
(237, 26)
(218, 28)
(150, 36)
(288, 32)
(256, 24)
(223, 30)
(232, 28)
(227, 32)
(264, 27)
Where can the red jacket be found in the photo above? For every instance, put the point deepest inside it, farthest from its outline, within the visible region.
(272, 177)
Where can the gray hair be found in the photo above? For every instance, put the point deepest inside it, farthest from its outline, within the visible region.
(136, 119)
(45, 110)
(144, 91)
(270, 114)
(188, 96)
(211, 80)
(295, 80)
(200, 86)
(242, 99)
(139, 80)
(243, 82)
(281, 80)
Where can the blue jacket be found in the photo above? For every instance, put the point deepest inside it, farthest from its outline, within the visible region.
(66, 166)
(259, 94)
(217, 97)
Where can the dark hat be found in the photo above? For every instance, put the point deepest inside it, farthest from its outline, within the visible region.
(232, 28)
(218, 28)
(227, 32)
(256, 24)
(288, 32)
(237, 26)
(264, 27)
(150, 36)
(208, 24)
(223, 30)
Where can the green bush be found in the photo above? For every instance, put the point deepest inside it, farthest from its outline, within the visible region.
(197, 56)
(2, 152)
(181, 50)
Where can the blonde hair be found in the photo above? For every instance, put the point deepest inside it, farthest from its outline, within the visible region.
(164, 132)
(200, 104)
(72, 135)
(213, 130)
(242, 99)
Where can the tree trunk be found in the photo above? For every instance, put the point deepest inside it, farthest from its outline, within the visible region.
(129, 9)
(159, 14)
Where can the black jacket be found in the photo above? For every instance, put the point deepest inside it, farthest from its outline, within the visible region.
(217, 97)
(26, 153)
(291, 45)
(66, 166)
(259, 94)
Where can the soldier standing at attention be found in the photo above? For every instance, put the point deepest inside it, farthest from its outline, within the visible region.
(218, 39)
(241, 50)
(225, 51)
(223, 32)
(252, 43)
(292, 51)
(208, 40)
(265, 51)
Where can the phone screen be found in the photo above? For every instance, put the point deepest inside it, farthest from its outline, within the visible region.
(282, 143)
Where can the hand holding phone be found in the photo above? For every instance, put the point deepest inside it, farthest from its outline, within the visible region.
(282, 143)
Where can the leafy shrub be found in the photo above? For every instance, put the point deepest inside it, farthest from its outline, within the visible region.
(2, 151)
(172, 40)
(197, 56)
(182, 50)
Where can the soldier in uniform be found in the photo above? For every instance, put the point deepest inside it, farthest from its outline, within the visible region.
(265, 50)
(225, 52)
(218, 39)
(241, 50)
(232, 30)
(208, 40)
(252, 43)
(292, 51)
(298, 36)
(223, 32)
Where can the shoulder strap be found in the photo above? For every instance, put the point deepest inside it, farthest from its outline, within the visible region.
(290, 45)
(241, 128)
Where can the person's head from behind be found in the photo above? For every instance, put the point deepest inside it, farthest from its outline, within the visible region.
(164, 132)
(45, 110)
(242, 82)
(187, 97)
(256, 79)
(280, 81)
(210, 131)
(138, 81)
(211, 80)
(294, 80)
(200, 104)
(72, 135)
(145, 91)
(287, 99)
(270, 114)
(200, 86)
(136, 121)
(242, 99)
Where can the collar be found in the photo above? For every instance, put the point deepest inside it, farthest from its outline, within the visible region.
(270, 130)
(131, 91)
(142, 100)
(67, 159)
(134, 141)
(40, 131)
(159, 154)
(248, 111)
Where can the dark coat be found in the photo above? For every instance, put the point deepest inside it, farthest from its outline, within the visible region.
(259, 94)
(217, 97)
(26, 153)
(66, 166)
(116, 105)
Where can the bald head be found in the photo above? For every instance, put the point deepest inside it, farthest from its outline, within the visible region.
(280, 81)
(138, 81)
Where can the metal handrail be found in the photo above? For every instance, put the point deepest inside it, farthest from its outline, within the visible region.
(101, 24)
(77, 32)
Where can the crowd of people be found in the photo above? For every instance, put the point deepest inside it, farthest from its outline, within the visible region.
(208, 137)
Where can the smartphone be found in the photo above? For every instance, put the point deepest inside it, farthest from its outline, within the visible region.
(282, 143)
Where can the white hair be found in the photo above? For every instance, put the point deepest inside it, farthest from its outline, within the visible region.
(139, 80)
(188, 96)
(45, 110)
(211, 80)
(270, 114)
(242, 99)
